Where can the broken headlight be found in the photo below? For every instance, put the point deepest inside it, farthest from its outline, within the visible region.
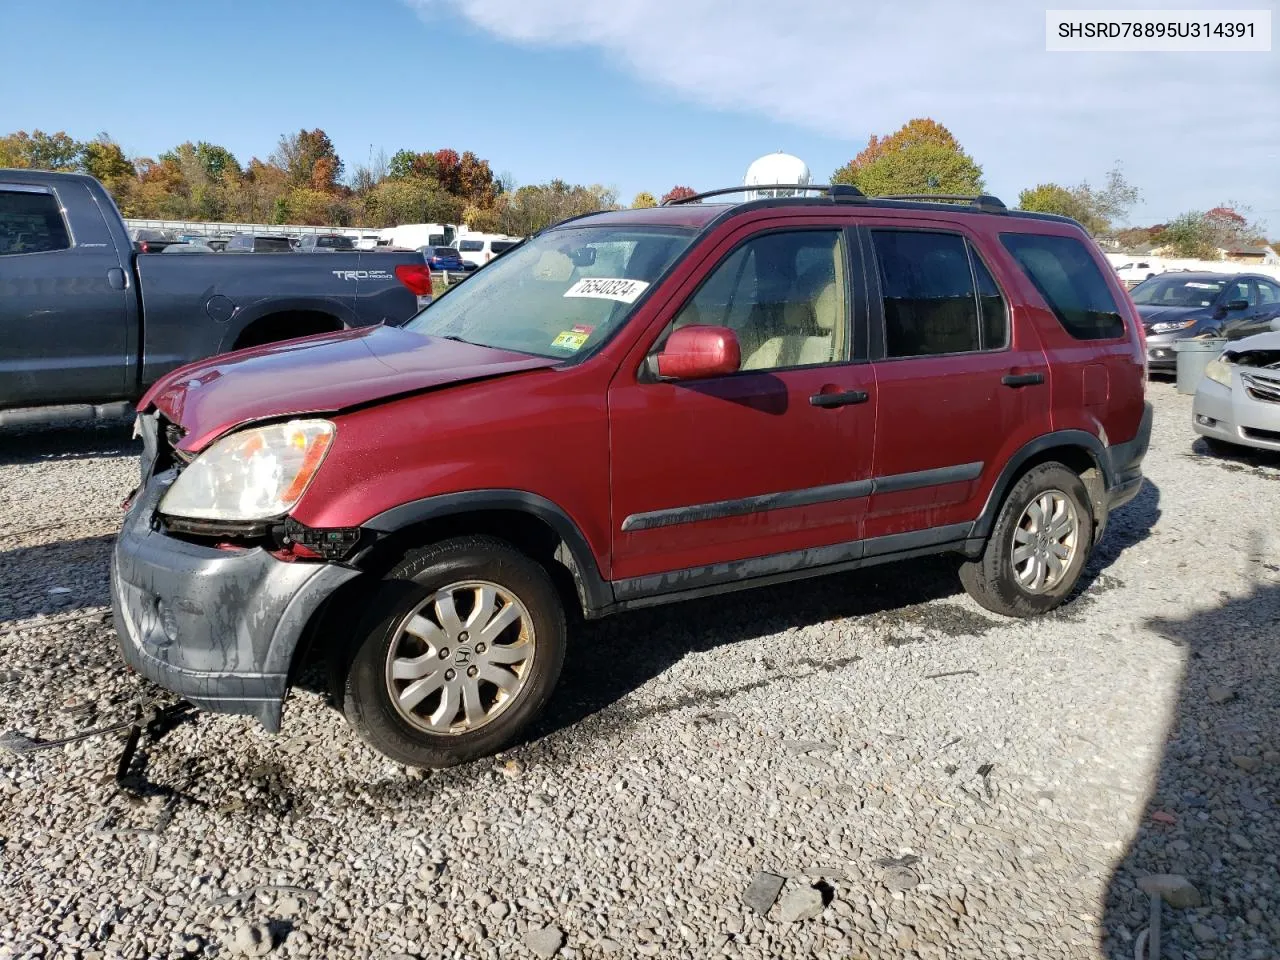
(253, 474)
(1219, 371)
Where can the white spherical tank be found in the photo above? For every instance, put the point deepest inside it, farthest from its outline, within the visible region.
(776, 168)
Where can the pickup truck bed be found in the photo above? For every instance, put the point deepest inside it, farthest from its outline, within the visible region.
(85, 321)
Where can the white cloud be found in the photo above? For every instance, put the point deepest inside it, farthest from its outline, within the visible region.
(1191, 129)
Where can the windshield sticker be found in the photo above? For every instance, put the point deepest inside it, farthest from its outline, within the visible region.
(583, 328)
(605, 288)
(1202, 286)
(570, 340)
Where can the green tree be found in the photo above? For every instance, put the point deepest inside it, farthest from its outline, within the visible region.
(103, 158)
(1096, 209)
(1052, 198)
(643, 199)
(917, 168)
(1189, 236)
(411, 200)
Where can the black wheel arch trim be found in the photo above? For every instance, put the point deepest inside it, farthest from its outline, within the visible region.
(1013, 469)
(595, 594)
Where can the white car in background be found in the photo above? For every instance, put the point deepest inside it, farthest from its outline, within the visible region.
(1135, 271)
(1238, 398)
(480, 248)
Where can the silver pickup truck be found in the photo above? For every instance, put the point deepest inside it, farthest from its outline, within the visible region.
(87, 323)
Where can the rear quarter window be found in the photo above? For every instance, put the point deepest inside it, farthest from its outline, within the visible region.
(502, 246)
(31, 223)
(1069, 280)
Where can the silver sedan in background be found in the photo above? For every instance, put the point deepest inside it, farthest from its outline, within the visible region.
(1238, 398)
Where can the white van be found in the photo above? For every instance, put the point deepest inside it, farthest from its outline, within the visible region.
(480, 248)
(411, 236)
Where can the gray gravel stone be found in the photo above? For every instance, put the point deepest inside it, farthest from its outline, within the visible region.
(251, 939)
(803, 904)
(544, 942)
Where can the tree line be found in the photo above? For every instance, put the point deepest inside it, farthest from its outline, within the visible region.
(304, 181)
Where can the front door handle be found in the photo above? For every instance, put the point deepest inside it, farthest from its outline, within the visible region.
(115, 277)
(840, 398)
(1022, 379)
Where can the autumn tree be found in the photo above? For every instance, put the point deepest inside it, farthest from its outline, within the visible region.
(38, 150)
(531, 208)
(299, 155)
(921, 157)
(643, 199)
(102, 157)
(678, 193)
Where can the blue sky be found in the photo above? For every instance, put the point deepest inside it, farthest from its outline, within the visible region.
(644, 94)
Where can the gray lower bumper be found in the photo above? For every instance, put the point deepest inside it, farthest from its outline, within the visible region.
(218, 627)
(1126, 463)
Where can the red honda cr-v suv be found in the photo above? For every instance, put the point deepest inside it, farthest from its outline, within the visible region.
(627, 409)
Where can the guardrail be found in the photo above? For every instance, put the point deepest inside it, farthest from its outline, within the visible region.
(211, 229)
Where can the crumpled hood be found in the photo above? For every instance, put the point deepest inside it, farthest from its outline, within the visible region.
(1154, 314)
(316, 375)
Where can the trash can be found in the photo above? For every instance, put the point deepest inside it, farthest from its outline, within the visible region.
(1194, 355)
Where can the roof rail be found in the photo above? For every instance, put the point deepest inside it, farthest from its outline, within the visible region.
(836, 191)
(984, 202)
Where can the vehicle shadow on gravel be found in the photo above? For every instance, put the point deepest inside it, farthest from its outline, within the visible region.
(1213, 815)
(68, 442)
(54, 578)
(609, 659)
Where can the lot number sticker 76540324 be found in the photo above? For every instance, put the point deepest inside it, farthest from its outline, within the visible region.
(607, 288)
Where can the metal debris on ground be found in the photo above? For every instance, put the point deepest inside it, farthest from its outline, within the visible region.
(763, 892)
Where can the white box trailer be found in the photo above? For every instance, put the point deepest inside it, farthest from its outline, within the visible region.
(411, 236)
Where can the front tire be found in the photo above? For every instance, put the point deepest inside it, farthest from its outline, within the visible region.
(1038, 547)
(460, 650)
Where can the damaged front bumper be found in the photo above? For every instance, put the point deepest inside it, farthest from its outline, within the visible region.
(1245, 413)
(219, 627)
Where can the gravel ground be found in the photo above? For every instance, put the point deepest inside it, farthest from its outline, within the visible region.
(923, 779)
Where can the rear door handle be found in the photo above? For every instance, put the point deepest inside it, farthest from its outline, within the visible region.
(843, 398)
(1022, 379)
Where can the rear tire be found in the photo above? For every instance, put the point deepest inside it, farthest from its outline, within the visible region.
(1038, 547)
(459, 651)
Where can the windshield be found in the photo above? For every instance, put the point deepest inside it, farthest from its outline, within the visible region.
(1173, 292)
(559, 295)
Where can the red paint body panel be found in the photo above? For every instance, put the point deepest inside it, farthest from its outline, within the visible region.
(542, 431)
(319, 374)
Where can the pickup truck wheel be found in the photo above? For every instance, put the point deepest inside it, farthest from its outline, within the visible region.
(1038, 546)
(460, 650)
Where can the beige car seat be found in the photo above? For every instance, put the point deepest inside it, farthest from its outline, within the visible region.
(812, 328)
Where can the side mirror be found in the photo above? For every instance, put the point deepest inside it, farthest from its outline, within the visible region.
(694, 352)
(1237, 304)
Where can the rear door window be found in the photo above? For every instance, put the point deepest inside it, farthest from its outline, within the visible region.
(31, 223)
(470, 246)
(939, 298)
(501, 246)
(1070, 282)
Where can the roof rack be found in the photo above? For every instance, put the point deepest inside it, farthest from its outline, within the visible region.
(984, 202)
(836, 191)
